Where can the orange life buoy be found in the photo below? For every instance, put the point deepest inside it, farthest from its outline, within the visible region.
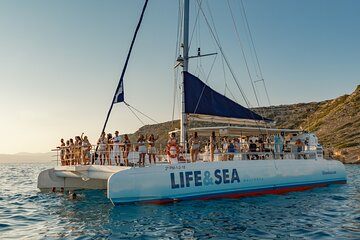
(172, 150)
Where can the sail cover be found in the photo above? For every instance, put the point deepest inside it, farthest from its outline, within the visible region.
(205, 104)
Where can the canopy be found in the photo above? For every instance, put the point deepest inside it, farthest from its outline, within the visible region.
(241, 131)
(205, 104)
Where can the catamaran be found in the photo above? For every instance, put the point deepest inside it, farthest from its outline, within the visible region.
(279, 166)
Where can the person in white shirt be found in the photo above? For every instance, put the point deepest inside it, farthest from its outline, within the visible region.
(116, 150)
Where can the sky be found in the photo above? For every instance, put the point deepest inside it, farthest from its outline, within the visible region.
(60, 61)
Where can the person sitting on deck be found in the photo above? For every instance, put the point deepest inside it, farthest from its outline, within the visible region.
(230, 149)
(252, 149)
(299, 147)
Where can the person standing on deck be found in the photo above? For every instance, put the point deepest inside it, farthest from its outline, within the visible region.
(62, 152)
(194, 147)
(127, 148)
(72, 148)
(116, 147)
(142, 150)
(67, 153)
(77, 150)
(109, 147)
(151, 147)
(86, 147)
(212, 146)
(102, 148)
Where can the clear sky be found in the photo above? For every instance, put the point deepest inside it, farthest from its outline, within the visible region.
(60, 61)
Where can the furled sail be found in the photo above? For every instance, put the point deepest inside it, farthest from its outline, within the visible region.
(205, 104)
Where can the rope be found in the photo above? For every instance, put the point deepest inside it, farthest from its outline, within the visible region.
(243, 54)
(140, 112)
(125, 65)
(226, 60)
(134, 114)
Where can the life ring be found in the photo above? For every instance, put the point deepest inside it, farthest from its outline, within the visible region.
(172, 150)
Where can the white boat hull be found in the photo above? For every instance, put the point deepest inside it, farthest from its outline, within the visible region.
(164, 183)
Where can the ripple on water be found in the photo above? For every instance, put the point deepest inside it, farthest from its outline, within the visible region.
(323, 213)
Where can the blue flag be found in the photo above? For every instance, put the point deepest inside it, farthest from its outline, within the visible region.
(119, 96)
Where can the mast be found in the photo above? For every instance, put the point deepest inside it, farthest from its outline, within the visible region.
(183, 120)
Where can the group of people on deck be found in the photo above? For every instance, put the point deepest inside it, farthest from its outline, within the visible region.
(108, 147)
(75, 152)
(115, 147)
(227, 146)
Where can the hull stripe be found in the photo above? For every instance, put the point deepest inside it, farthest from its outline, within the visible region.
(240, 193)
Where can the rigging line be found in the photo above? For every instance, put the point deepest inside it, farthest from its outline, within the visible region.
(252, 54)
(232, 95)
(177, 53)
(246, 63)
(224, 73)
(255, 52)
(134, 114)
(211, 68)
(202, 91)
(243, 54)
(251, 38)
(227, 62)
(141, 112)
(196, 20)
(175, 94)
(254, 49)
(125, 65)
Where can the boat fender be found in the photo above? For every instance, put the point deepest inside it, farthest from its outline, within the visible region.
(172, 150)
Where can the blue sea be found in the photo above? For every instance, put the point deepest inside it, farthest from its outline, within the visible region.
(324, 213)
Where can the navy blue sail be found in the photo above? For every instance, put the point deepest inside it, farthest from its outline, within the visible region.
(201, 100)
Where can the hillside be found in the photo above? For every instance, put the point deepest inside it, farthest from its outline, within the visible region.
(336, 122)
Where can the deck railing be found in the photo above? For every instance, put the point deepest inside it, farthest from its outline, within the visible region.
(80, 156)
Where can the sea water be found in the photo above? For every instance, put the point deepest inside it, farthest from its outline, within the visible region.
(323, 213)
